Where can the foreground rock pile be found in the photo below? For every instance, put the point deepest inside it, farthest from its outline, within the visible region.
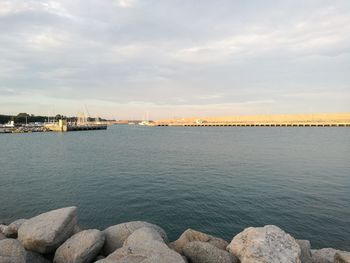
(55, 236)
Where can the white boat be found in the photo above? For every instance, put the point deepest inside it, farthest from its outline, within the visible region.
(144, 123)
(10, 124)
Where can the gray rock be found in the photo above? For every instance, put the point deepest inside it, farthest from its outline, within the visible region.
(100, 257)
(116, 235)
(3, 228)
(191, 235)
(2, 236)
(11, 251)
(12, 229)
(144, 245)
(203, 252)
(156, 252)
(46, 232)
(83, 247)
(33, 257)
(305, 247)
(324, 255)
(141, 236)
(265, 244)
(342, 257)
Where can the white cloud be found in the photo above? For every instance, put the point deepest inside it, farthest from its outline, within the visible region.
(45, 41)
(126, 3)
(8, 7)
(323, 31)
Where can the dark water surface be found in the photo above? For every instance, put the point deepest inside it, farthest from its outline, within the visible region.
(218, 180)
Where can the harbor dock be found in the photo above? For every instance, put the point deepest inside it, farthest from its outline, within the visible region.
(64, 126)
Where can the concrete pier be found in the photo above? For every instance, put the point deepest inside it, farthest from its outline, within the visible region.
(63, 126)
(295, 120)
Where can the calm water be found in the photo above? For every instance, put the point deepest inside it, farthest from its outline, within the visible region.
(217, 180)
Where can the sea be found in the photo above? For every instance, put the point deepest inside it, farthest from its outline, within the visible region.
(218, 180)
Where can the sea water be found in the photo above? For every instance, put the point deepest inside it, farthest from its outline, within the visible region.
(218, 180)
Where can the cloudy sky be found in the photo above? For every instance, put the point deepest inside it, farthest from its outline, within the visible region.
(171, 58)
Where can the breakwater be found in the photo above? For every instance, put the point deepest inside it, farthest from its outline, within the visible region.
(285, 120)
(23, 129)
(56, 236)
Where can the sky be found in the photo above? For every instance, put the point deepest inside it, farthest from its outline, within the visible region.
(137, 59)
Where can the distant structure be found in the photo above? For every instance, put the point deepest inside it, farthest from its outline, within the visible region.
(285, 120)
(81, 125)
(10, 124)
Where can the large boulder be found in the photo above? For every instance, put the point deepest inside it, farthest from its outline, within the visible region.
(265, 244)
(159, 254)
(46, 232)
(83, 247)
(33, 257)
(305, 247)
(203, 252)
(117, 234)
(12, 229)
(342, 257)
(145, 245)
(324, 255)
(191, 235)
(141, 236)
(11, 251)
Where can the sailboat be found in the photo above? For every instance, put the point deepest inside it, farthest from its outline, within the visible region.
(145, 122)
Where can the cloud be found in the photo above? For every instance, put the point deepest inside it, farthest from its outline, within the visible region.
(319, 34)
(46, 41)
(172, 55)
(126, 3)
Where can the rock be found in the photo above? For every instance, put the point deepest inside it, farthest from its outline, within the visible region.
(159, 253)
(203, 252)
(11, 251)
(265, 244)
(342, 257)
(138, 255)
(192, 235)
(324, 255)
(46, 232)
(2, 236)
(100, 257)
(83, 247)
(3, 228)
(141, 236)
(305, 247)
(116, 235)
(144, 245)
(12, 229)
(33, 257)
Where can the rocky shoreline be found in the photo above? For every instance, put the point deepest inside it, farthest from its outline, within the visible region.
(55, 236)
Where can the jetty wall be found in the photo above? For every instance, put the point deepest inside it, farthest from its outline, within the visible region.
(56, 236)
(336, 119)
